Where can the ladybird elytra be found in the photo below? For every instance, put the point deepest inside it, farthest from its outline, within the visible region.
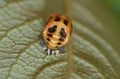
(57, 32)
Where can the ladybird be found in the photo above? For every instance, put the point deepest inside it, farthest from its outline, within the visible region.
(56, 34)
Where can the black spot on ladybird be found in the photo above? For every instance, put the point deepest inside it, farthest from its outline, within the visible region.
(61, 39)
(50, 35)
(62, 33)
(47, 43)
(48, 39)
(58, 43)
(56, 46)
(52, 29)
(66, 22)
(57, 19)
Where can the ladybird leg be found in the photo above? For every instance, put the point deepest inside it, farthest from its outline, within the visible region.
(49, 52)
(42, 42)
(61, 49)
(55, 52)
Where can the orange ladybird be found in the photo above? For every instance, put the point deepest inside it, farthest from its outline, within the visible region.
(56, 33)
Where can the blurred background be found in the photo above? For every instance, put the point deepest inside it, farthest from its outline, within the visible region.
(114, 5)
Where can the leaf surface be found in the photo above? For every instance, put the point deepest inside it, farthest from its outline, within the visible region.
(90, 53)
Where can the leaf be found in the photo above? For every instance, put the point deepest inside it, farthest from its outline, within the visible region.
(92, 52)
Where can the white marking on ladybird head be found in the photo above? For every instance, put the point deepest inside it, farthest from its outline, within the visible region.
(48, 52)
(55, 52)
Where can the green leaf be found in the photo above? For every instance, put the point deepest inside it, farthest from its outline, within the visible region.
(92, 51)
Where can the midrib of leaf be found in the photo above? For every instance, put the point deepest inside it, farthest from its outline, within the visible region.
(68, 4)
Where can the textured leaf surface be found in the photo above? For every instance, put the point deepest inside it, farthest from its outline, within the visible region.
(92, 52)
